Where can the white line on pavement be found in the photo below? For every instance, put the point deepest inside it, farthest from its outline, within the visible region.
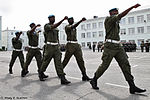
(117, 85)
(73, 78)
(135, 66)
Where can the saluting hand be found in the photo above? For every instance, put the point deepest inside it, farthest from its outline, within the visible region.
(137, 5)
(66, 17)
(83, 19)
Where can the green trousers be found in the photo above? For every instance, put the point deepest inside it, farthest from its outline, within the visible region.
(14, 55)
(112, 50)
(74, 49)
(33, 53)
(52, 51)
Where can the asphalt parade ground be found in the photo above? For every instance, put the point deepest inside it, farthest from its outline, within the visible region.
(112, 84)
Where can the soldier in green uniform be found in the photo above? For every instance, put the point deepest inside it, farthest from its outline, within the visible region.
(52, 49)
(73, 48)
(34, 51)
(113, 49)
(17, 52)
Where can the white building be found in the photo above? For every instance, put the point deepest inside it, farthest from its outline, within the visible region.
(0, 31)
(135, 27)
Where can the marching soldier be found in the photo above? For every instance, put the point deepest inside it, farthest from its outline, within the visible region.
(73, 48)
(34, 51)
(142, 46)
(17, 52)
(113, 49)
(52, 49)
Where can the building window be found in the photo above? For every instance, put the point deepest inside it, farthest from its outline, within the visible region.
(131, 20)
(63, 37)
(123, 31)
(94, 34)
(123, 41)
(94, 25)
(82, 27)
(140, 19)
(100, 33)
(148, 17)
(140, 29)
(83, 44)
(148, 29)
(123, 21)
(82, 35)
(100, 24)
(131, 30)
(88, 34)
(88, 26)
(11, 33)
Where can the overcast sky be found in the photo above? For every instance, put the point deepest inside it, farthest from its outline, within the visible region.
(20, 13)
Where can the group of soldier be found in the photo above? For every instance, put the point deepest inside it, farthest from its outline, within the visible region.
(112, 49)
(129, 47)
(145, 45)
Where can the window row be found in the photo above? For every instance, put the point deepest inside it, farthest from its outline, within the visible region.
(131, 20)
(132, 30)
(91, 26)
(92, 34)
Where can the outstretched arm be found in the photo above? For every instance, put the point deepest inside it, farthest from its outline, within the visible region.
(17, 37)
(33, 29)
(128, 10)
(57, 24)
(75, 25)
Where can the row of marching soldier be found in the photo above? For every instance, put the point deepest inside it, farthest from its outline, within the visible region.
(112, 49)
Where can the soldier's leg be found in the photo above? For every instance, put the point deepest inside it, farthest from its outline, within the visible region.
(79, 58)
(12, 61)
(123, 62)
(21, 58)
(59, 67)
(67, 57)
(106, 60)
(29, 58)
(38, 57)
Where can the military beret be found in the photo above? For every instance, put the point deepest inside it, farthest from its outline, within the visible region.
(113, 9)
(70, 18)
(51, 16)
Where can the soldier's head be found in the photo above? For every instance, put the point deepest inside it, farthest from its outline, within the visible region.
(17, 33)
(32, 25)
(70, 20)
(51, 19)
(113, 11)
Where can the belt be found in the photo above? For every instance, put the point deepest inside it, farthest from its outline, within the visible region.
(112, 41)
(52, 43)
(17, 50)
(72, 41)
(33, 47)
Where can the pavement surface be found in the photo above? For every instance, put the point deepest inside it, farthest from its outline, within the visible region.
(112, 84)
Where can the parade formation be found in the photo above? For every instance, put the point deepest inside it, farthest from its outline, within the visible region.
(112, 48)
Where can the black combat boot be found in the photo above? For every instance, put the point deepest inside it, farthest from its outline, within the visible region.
(45, 76)
(42, 76)
(24, 73)
(93, 82)
(133, 89)
(85, 78)
(10, 71)
(64, 81)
